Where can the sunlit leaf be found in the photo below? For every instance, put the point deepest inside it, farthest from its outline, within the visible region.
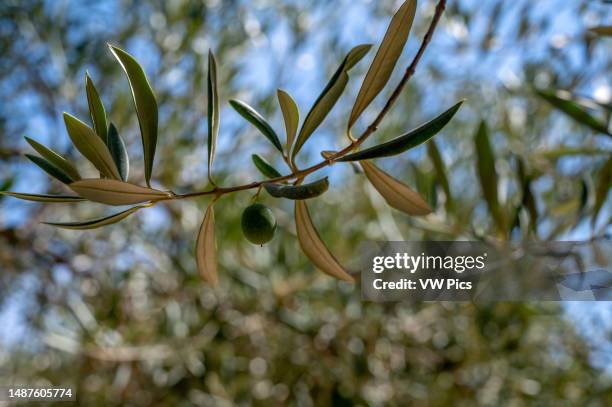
(43, 198)
(50, 169)
(118, 151)
(485, 161)
(407, 141)
(313, 247)
(96, 223)
(397, 194)
(213, 112)
(146, 106)
(112, 192)
(386, 58)
(55, 159)
(563, 101)
(265, 167)
(298, 192)
(206, 248)
(91, 146)
(602, 30)
(330, 95)
(604, 183)
(96, 109)
(440, 171)
(258, 121)
(291, 116)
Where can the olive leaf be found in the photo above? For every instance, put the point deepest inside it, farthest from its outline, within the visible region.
(96, 223)
(329, 96)
(528, 200)
(297, 192)
(206, 248)
(407, 141)
(43, 198)
(257, 120)
(113, 192)
(55, 159)
(397, 194)
(440, 171)
(602, 30)
(265, 167)
(485, 161)
(291, 116)
(604, 183)
(118, 151)
(386, 58)
(313, 247)
(425, 185)
(50, 169)
(146, 106)
(96, 109)
(213, 112)
(562, 101)
(91, 146)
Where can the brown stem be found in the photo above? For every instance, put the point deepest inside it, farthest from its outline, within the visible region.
(355, 143)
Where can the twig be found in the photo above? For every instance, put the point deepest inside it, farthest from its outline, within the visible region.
(218, 191)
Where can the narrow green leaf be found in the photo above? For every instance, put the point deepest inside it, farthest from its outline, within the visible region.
(407, 141)
(55, 159)
(563, 101)
(329, 96)
(96, 223)
(50, 169)
(43, 198)
(258, 121)
(116, 146)
(485, 161)
(291, 116)
(528, 200)
(206, 248)
(113, 192)
(426, 186)
(298, 192)
(265, 167)
(386, 58)
(6, 184)
(96, 109)
(604, 183)
(213, 112)
(146, 106)
(440, 170)
(602, 30)
(397, 194)
(91, 146)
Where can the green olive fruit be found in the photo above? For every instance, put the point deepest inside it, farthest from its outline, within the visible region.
(258, 224)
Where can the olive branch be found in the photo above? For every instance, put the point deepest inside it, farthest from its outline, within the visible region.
(102, 145)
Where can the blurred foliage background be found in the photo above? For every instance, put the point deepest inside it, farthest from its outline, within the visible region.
(120, 313)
